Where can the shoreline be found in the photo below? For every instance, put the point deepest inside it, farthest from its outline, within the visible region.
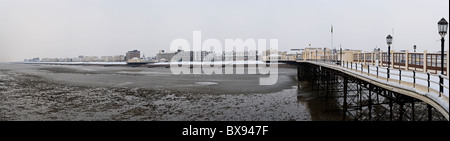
(148, 65)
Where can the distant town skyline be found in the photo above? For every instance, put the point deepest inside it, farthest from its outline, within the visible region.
(68, 28)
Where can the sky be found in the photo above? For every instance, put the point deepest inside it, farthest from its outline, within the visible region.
(68, 28)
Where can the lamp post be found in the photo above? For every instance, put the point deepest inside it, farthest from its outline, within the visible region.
(324, 54)
(442, 26)
(378, 56)
(389, 42)
(415, 48)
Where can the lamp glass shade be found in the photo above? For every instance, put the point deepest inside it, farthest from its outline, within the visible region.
(389, 39)
(442, 27)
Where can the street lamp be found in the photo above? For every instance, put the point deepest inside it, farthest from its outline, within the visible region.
(389, 42)
(442, 26)
(378, 56)
(415, 48)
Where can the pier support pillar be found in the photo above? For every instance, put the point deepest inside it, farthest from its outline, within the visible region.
(327, 89)
(370, 102)
(298, 72)
(430, 116)
(345, 99)
(412, 109)
(401, 110)
(390, 105)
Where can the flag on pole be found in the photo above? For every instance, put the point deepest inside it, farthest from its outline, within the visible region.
(331, 28)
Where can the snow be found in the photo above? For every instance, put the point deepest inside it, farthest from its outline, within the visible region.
(215, 63)
(160, 63)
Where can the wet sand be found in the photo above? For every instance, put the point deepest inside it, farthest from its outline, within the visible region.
(29, 92)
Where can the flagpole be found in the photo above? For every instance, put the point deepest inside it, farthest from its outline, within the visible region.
(332, 38)
(392, 47)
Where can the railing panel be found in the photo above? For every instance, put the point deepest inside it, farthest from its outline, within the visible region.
(355, 57)
(415, 61)
(399, 59)
(361, 57)
(385, 59)
(434, 63)
(368, 57)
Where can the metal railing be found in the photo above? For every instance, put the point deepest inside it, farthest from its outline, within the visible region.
(427, 80)
(434, 82)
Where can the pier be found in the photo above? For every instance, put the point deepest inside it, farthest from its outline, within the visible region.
(368, 87)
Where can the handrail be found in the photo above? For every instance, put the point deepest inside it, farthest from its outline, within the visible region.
(366, 68)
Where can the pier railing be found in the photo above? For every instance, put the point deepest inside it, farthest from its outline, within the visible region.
(424, 62)
(434, 86)
(410, 77)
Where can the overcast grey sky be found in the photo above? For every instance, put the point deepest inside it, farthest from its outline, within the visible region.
(68, 28)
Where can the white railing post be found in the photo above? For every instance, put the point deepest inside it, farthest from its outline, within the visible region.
(373, 58)
(448, 63)
(381, 58)
(358, 57)
(392, 58)
(364, 58)
(406, 59)
(424, 61)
